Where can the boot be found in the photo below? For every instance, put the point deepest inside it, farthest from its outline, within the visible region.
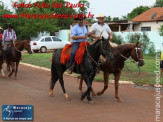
(69, 71)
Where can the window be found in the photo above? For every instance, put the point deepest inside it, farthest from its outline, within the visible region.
(145, 28)
(56, 39)
(42, 40)
(48, 39)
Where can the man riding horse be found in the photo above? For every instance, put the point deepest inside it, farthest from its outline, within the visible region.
(0, 36)
(8, 37)
(78, 35)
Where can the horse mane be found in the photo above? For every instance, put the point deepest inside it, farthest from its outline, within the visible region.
(123, 47)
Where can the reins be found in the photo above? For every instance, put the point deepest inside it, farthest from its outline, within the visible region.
(136, 48)
(15, 47)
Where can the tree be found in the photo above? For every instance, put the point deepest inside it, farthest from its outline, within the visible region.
(26, 28)
(158, 3)
(3, 11)
(116, 19)
(137, 11)
(148, 46)
(83, 10)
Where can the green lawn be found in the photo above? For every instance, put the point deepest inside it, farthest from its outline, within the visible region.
(129, 73)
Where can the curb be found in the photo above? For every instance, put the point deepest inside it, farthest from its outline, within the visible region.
(72, 75)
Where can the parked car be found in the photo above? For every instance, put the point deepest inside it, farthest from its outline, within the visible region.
(47, 43)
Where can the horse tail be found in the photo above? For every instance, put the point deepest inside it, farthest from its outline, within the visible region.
(54, 76)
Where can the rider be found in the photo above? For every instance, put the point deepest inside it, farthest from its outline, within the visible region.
(1, 35)
(78, 35)
(8, 37)
(97, 28)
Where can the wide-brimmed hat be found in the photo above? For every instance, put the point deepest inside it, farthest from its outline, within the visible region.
(100, 16)
(1, 28)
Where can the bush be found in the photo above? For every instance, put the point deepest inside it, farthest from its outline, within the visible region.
(117, 39)
(148, 47)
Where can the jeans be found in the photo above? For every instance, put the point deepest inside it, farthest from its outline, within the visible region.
(5, 48)
(75, 46)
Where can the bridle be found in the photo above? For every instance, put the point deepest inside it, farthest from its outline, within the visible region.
(137, 55)
(136, 50)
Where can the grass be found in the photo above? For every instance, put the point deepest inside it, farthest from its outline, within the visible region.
(130, 71)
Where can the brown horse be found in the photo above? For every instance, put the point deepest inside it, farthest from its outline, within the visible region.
(121, 54)
(14, 54)
(1, 60)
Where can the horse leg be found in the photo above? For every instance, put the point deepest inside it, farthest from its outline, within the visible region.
(80, 87)
(17, 64)
(106, 77)
(54, 78)
(13, 68)
(87, 92)
(117, 77)
(88, 96)
(63, 88)
(3, 74)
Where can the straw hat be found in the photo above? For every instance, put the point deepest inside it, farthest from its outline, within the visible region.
(1, 28)
(100, 16)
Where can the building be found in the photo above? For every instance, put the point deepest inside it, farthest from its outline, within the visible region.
(150, 20)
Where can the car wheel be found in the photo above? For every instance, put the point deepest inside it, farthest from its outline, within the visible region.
(43, 49)
(36, 51)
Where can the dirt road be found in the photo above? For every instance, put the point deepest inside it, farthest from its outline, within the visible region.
(32, 87)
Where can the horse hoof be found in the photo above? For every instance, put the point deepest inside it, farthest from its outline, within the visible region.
(93, 94)
(16, 78)
(51, 93)
(81, 98)
(99, 93)
(119, 99)
(91, 102)
(67, 97)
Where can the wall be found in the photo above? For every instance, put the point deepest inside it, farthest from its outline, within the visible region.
(154, 25)
(153, 36)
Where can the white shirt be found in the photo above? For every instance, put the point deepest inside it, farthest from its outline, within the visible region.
(98, 28)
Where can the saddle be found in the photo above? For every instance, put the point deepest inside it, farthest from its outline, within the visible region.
(66, 53)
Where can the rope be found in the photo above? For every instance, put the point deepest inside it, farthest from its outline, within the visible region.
(15, 47)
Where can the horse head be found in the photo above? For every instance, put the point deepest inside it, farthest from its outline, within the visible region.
(137, 54)
(105, 48)
(27, 46)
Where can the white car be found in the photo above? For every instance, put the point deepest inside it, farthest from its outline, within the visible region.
(47, 43)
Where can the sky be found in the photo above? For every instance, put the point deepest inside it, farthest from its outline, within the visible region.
(113, 8)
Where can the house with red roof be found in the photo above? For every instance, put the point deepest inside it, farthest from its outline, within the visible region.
(150, 20)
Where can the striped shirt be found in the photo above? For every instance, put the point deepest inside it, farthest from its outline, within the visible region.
(8, 35)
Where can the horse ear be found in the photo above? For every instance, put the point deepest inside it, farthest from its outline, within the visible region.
(103, 38)
(137, 44)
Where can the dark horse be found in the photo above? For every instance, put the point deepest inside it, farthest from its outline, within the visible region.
(121, 54)
(1, 60)
(87, 69)
(14, 54)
